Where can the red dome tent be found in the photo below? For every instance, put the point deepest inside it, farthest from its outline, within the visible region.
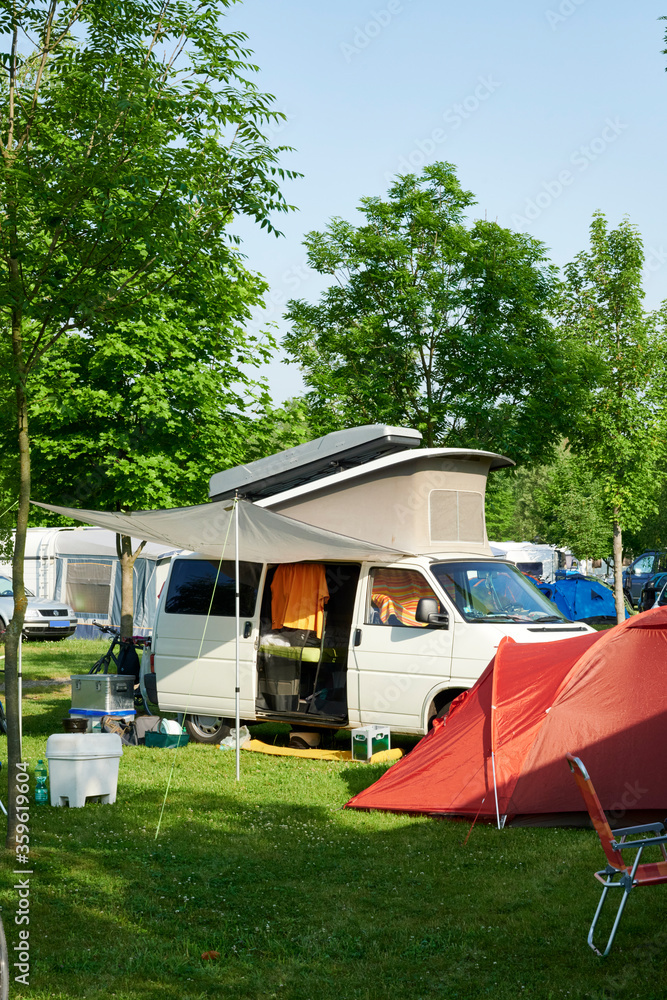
(602, 696)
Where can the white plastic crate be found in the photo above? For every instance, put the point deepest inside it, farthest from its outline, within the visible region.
(83, 766)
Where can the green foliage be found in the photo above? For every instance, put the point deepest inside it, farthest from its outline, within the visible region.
(276, 428)
(501, 506)
(511, 505)
(434, 323)
(558, 504)
(135, 141)
(620, 427)
(572, 510)
(131, 136)
(140, 414)
(652, 532)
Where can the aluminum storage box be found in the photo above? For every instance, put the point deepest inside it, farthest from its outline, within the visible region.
(106, 692)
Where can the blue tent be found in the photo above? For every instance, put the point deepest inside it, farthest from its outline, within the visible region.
(582, 598)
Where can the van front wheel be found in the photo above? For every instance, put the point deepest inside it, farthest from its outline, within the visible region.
(439, 708)
(207, 728)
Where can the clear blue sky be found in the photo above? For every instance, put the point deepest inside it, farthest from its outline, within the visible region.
(550, 109)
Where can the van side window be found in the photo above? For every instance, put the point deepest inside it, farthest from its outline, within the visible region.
(191, 587)
(394, 594)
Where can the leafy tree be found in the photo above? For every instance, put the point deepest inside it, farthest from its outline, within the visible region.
(652, 532)
(140, 413)
(129, 139)
(558, 504)
(501, 506)
(276, 428)
(572, 509)
(619, 432)
(511, 505)
(434, 323)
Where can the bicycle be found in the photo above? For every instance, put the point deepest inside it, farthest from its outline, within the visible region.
(126, 660)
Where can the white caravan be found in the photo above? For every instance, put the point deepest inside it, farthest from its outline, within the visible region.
(343, 643)
(537, 560)
(80, 567)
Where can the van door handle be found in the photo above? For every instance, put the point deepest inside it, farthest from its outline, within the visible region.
(357, 637)
(247, 630)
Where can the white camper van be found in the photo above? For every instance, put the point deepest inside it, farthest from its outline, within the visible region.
(343, 643)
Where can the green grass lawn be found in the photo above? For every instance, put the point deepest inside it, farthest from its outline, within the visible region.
(301, 899)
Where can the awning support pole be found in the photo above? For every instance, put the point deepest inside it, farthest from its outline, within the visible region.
(238, 632)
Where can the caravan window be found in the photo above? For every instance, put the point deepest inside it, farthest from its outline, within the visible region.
(191, 587)
(88, 587)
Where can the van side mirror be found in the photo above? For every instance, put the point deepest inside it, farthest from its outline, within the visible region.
(428, 611)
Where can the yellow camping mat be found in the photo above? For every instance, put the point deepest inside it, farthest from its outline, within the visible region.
(377, 758)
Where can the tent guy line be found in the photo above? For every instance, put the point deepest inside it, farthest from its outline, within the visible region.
(201, 646)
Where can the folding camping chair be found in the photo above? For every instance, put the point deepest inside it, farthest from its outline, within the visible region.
(613, 844)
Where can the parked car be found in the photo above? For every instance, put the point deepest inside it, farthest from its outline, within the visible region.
(651, 590)
(640, 570)
(44, 619)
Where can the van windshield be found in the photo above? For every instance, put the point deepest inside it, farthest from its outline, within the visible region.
(494, 592)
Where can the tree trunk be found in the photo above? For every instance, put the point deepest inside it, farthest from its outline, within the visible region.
(127, 559)
(618, 567)
(15, 627)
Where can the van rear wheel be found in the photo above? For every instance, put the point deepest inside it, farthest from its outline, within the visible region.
(207, 728)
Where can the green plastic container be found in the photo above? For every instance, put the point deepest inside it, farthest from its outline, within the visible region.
(167, 740)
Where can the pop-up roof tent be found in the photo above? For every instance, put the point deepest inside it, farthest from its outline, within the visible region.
(372, 482)
(602, 696)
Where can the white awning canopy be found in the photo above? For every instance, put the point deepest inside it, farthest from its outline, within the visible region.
(208, 528)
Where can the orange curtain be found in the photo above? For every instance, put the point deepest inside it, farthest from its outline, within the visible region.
(298, 595)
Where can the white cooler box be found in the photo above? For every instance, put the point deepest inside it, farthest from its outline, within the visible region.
(82, 766)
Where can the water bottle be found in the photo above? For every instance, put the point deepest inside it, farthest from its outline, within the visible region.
(41, 790)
